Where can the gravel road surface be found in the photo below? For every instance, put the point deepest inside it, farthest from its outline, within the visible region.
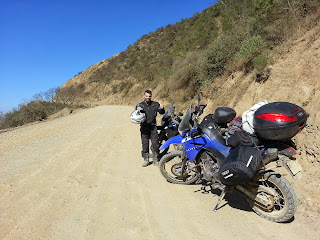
(80, 177)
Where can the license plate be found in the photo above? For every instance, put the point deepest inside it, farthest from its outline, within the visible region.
(294, 167)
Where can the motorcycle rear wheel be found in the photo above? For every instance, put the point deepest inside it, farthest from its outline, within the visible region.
(171, 165)
(284, 201)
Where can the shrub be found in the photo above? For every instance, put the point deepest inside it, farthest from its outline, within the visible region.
(250, 48)
(49, 95)
(31, 112)
(69, 95)
(260, 62)
(222, 51)
(114, 88)
(186, 73)
(123, 86)
(262, 7)
(164, 95)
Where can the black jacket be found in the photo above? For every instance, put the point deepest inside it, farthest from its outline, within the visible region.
(151, 111)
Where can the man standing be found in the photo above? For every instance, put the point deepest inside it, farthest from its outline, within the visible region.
(148, 128)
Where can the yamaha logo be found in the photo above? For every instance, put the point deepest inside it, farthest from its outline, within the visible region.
(225, 172)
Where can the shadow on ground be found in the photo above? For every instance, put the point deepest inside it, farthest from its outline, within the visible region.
(233, 199)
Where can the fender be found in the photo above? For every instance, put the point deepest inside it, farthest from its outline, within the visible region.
(175, 139)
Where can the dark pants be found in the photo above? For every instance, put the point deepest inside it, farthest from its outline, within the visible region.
(149, 132)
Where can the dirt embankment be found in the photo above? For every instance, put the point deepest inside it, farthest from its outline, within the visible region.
(294, 76)
(80, 177)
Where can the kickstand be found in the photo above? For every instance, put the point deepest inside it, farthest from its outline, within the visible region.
(224, 190)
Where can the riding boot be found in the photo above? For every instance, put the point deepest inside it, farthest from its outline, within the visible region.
(155, 158)
(145, 159)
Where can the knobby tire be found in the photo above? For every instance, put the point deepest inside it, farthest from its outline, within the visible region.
(173, 179)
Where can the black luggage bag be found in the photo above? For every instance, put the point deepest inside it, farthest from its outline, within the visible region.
(224, 115)
(240, 165)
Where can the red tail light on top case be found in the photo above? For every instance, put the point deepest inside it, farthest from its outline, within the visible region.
(276, 117)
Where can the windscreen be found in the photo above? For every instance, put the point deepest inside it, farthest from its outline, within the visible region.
(185, 123)
(169, 110)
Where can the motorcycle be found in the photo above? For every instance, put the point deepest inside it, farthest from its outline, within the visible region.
(204, 150)
(168, 128)
(171, 165)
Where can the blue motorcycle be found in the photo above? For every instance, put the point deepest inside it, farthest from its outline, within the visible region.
(202, 150)
(183, 166)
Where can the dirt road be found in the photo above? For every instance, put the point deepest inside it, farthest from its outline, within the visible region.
(80, 177)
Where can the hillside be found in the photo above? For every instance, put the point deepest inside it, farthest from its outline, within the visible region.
(237, 53)
(198, 53)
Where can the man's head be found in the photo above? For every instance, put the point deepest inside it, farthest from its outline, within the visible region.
(147, 95)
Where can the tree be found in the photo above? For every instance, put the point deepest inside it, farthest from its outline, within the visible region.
(38, 96)
(1, 116)
(68, 95)
(48, 95)
(51, 93)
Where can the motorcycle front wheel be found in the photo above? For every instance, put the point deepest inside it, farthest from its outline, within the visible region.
(278, 192)
(171, 168)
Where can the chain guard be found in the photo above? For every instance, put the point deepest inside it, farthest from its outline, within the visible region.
(261, 196)
(265, 197)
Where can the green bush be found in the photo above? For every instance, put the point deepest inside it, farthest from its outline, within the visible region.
(187, 72)
(114, 88)
(31, 112)
(262, 8)
(250, 48)
(222, 51)
(260, 62)
(123, 87)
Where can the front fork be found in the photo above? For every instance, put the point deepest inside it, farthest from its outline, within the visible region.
(184, 161)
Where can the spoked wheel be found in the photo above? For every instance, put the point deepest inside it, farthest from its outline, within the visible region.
(278, 197)
(171, 167)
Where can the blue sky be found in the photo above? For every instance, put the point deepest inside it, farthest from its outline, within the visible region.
(45, 43)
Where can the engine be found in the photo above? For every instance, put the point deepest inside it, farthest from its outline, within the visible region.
(209, 167)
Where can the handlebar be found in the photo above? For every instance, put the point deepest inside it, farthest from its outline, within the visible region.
(198, 111)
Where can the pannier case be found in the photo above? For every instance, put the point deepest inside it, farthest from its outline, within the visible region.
(224, 115)
(279, 121)
(240, 165)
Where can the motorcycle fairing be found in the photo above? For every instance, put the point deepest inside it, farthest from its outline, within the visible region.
(193, 146)
(175, 139)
